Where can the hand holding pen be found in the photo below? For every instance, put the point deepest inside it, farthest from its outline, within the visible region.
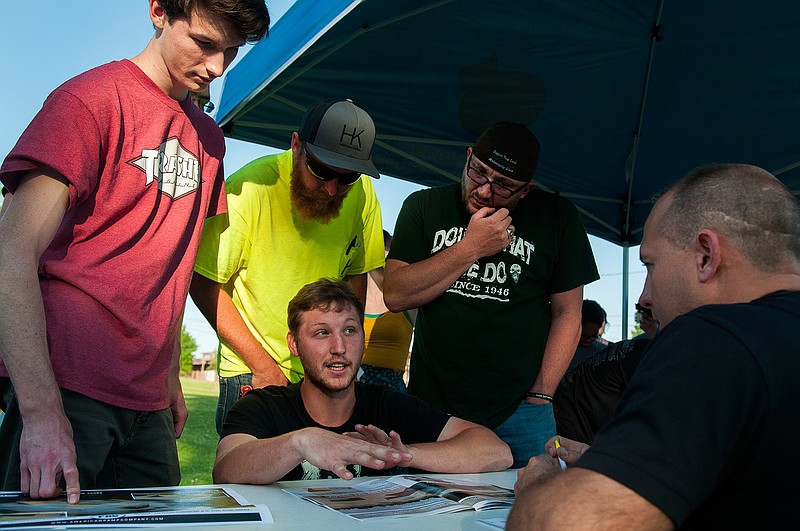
(565, 450)
(560, 461)
(560, 452)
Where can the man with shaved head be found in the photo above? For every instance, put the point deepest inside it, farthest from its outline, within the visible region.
(705, 435)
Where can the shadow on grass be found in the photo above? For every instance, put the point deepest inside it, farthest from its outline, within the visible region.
(198, 443)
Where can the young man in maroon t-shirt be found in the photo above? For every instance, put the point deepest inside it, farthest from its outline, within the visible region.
(112, 181)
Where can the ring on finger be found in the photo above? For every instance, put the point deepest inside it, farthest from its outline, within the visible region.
(510, 233)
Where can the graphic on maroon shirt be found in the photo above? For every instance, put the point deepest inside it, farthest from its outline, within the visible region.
(176, 169)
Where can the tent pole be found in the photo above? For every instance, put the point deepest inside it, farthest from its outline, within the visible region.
(625, 286)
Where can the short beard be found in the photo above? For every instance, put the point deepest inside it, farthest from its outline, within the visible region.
(313, 377)
(313, 204)
(324, 387)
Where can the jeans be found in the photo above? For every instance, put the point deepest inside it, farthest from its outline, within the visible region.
(526, 431)
(231, 389)
(388, 378)
(116, 447)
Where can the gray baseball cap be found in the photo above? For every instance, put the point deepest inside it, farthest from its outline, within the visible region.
(340, 134)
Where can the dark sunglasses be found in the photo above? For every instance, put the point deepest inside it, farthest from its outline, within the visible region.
(324, 173)
(642, 309)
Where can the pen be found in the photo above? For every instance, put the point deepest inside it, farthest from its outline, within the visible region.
(560, 461)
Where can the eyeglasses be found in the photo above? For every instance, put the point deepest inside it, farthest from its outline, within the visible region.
(324, 173)
(645, 311)
(478, 177)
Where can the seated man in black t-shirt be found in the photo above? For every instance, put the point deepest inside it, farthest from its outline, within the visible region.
(705, 434)
(328, 425)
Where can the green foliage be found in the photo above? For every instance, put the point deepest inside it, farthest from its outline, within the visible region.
(198, 443)
(637, 330)
(188, 347)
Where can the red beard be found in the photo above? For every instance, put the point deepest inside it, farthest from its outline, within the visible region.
(314, 204)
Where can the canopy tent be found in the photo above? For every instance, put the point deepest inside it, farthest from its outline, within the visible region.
(625, 96)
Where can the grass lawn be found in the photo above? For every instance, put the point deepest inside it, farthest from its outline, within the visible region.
(198, 444)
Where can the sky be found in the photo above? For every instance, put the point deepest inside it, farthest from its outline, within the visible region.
(46, 42)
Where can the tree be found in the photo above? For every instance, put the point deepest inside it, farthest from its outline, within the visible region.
(188, 348)
(637, 330)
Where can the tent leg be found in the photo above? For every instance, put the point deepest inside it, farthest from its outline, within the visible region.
(625, 287)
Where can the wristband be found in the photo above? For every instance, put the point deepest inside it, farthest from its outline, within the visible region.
(539, 395)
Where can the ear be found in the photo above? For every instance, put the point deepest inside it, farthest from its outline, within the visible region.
(708, 255)
(528, 189)
(157, 14)
(297, 144)
(292, 343)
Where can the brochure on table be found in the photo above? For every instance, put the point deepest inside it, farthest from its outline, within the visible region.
(407, 495)
(150, 507)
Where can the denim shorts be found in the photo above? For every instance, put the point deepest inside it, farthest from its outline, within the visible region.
(388, 378)
(526, 431)
(231, 389)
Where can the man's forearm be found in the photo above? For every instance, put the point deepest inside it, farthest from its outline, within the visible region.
(257, 461)
(585, 500)
(562, 340)
(458, 454)
(46, 451)
(23, 344)
(233, 331)
(358, 285)
(407, 286)
(218, 308)
(532, 508)
(556, 359)
(243, 459)
(28, 228)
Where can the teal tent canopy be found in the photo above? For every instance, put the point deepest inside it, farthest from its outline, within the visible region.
(625, 96)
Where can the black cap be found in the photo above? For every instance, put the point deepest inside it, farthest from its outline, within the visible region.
(510, 149)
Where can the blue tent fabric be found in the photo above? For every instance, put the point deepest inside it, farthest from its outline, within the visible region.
(625, 96)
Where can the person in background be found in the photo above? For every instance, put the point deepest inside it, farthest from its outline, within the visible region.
(112, 181)
(202, 98)
(705, 434)
(294, 217)
(589, 392)
(496, 270)
(387, 335)
(593, 321)
(646, 322)
(329, 425)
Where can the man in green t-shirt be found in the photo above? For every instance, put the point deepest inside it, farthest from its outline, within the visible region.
(497, 270)
(293, 218)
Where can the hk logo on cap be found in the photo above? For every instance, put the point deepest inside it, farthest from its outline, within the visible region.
(355, 136)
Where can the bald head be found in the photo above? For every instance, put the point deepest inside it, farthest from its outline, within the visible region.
(746, 204)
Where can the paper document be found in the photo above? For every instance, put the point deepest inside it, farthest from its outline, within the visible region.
(150, 507)
(408, 495)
